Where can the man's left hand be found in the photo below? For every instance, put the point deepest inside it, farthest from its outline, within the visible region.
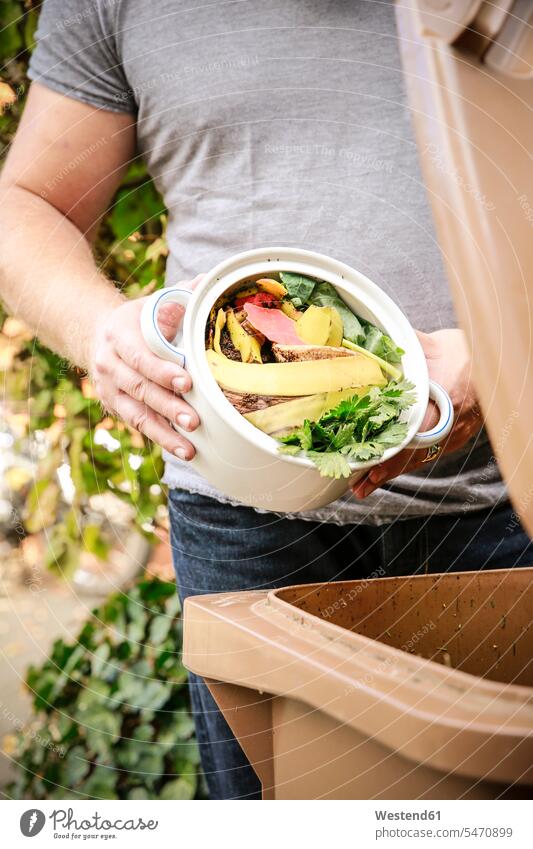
(450, 365)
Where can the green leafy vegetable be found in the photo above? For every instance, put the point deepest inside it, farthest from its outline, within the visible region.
(331, 465)
(299, 288)
(380, 344)
(358, 429)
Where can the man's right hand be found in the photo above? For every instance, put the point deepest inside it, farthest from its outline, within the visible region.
(138, 386)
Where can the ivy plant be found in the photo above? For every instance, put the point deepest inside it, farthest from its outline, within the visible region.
(111, 710)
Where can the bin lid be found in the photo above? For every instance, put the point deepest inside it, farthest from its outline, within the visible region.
(469, 75)
(504, 27)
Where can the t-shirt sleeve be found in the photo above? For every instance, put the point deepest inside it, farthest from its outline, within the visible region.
(76, 54)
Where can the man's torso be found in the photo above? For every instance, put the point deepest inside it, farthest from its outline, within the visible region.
(286, 123)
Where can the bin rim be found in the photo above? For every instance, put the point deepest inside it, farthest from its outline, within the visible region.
(427, 711)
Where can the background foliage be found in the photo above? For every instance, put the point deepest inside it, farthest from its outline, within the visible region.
(111, 709)
(53, 399)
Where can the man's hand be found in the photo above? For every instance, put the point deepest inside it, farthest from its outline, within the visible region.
(449, 364)
(138, 386)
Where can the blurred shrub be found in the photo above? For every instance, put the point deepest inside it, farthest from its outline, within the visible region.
(61, 410)
(112, 716)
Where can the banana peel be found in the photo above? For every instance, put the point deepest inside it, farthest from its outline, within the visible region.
(290, 310)
(294, 379)
(290, 414)
(314, 325)
(247, 346)
(220, 323)
(320, 326)
(389, 369)
(273, 287)
(336, 328)
(248, 290)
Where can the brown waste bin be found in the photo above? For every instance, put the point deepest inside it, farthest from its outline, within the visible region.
(393, 688)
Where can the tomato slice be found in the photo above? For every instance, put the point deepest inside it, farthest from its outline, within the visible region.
(260, 299)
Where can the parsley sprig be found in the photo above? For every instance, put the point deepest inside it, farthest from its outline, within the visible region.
(358, 429)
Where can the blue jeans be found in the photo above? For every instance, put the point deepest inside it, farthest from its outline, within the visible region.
(219, 548)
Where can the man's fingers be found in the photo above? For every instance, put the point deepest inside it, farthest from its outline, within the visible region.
(169, 318)
(194, 282)
(431, 416)
(140, 359)
(403, 462)
(163, 401)
(398, 465)
(153, 426)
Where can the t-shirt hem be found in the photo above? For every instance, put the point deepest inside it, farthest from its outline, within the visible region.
(327, 515)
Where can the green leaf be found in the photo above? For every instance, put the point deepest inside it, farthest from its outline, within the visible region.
(75, 766)
(48, 686)
(127, 754)
(179, 788)
(299, 288)
(156, 590)
(343, 435)
(331, 464)
(31, 19)
(289, 449)
(73, 664)
(189, 751)
(139, 793)
(400, 392)
(393, 435)
(10, 37)
(359, 452)
(137, 692)
(100, 667)
(62, 554)
(159, 628)
(180, 728)
(151, 763)
(172, 605)
(101, 784)
(143, 732)
(41, 505)
(102, 729)
(94, 542)
(378, 343)
(154, 695)
(129, 687)
(95, 692)
(135, 631)
(157, 249)
(134, 208)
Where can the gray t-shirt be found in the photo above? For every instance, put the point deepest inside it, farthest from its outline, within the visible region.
(280, 122)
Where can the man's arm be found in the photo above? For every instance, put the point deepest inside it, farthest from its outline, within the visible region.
(63, 168)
